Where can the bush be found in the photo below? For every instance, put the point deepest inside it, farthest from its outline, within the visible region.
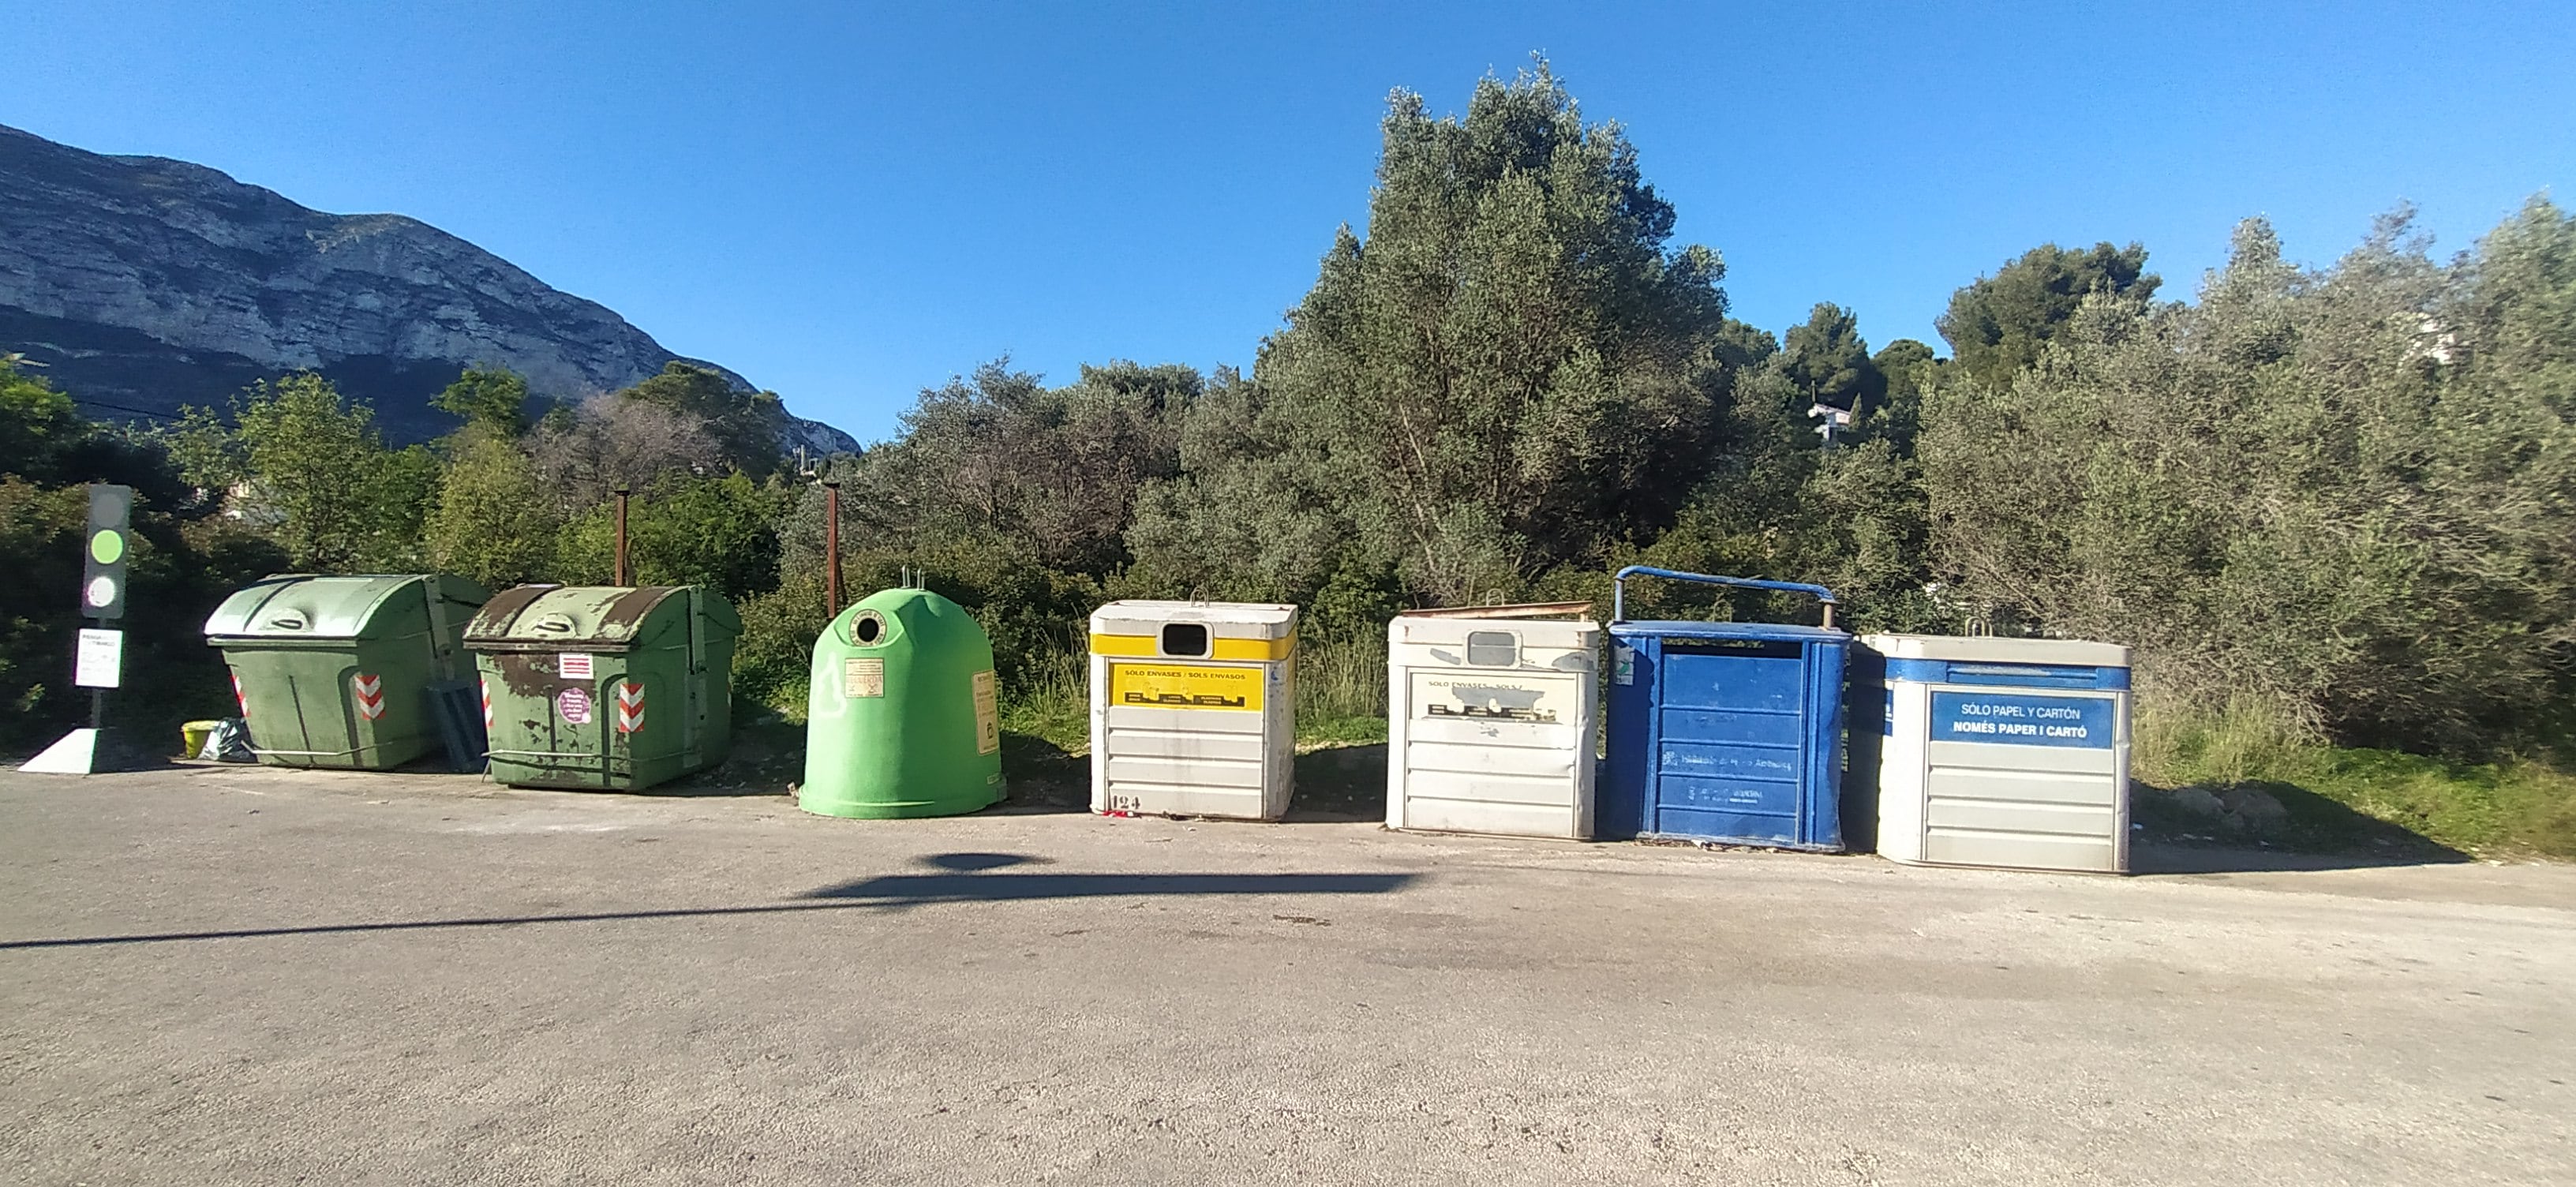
(774, 658)
(2514, 806)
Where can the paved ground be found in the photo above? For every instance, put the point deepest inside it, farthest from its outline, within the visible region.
(236, 976)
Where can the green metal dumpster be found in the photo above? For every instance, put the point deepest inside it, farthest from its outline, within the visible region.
(338, 671)
(605, 686)
(901, 717)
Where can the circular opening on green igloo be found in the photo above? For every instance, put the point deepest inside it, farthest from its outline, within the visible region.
(869, 628)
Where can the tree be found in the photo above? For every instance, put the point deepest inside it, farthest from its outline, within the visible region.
(314, 469)
(745, 425)
(1908, 367)
(492, 522)
(183, 561)
(1249, 516)
(1826, 361)
(495, 398)
(1050, 472)
(1997, 325)
(583, 453)
(1515, 370)
(718, 531)
(37, 424)
(2311, 488)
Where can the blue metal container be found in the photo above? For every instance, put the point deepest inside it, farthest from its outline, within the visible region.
(1725, 731)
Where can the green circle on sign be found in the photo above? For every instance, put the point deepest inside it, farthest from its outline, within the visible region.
(107, 547)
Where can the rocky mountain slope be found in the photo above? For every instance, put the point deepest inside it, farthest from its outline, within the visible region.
(143, 283)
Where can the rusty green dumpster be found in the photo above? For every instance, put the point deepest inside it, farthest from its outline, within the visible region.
(610, 687)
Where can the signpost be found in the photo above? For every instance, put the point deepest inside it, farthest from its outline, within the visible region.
(99, 660)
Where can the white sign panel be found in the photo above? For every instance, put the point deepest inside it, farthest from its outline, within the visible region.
(100, 659)
(573, 665)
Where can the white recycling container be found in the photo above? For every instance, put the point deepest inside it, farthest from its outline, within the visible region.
(2002, 752)
(1193, 708)
(1491, 717)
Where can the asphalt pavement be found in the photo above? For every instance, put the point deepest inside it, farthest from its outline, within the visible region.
(242, 976)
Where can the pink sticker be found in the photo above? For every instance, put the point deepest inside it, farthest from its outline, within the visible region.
(574, 704)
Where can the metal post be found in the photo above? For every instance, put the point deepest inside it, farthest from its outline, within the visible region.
(625, 573)
(831, 549)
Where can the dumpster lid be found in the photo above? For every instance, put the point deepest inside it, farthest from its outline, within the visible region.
(1513, 610)
(1224, 620)
(1671, 628)
(1452, 629)
(599, 617)
(305, 606)
(1989, 650)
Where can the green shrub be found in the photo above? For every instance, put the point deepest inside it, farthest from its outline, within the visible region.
(2513, 806)
(773, 658)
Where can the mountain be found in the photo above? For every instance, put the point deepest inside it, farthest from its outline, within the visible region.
(144, 283)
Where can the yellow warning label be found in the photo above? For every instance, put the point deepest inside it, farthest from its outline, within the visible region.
(1184, 686)
(988, 714)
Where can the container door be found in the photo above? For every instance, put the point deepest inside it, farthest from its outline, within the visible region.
(1731, 763)
(1493, 746)
(549, 727)
(273, 704)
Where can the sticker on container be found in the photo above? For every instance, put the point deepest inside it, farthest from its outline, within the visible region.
(863, 677)
(630, 706)
(988, 714)
(1525, 700)
(2083, 722)
(1623, 665)
(573, 665)
(1184, 686)
(370, 694)
(574, 704)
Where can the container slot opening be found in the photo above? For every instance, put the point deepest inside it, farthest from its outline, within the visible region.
(868, 629)
(1493, 649)
(1185, 638)
(1761, 648)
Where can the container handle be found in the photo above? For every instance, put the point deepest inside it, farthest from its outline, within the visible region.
(1619, 588)
(287, 622)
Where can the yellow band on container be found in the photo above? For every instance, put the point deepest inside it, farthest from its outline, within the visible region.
(1184, 686)
(1239, 650)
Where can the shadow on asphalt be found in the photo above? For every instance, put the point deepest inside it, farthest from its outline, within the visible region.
(964, 878)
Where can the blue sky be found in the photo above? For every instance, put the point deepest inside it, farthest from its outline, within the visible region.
(849, 202)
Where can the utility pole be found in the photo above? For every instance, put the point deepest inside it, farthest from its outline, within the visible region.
(625, 572)
(831, 548)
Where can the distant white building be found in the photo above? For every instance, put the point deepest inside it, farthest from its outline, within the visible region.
(1834, 419)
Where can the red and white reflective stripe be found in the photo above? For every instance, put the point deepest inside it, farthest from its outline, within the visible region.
(486, 686)
(239, 698)
(630, 707)
(371, 695)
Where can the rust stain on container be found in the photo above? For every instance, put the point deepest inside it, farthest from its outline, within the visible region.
(525, 628)
(526, 673)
